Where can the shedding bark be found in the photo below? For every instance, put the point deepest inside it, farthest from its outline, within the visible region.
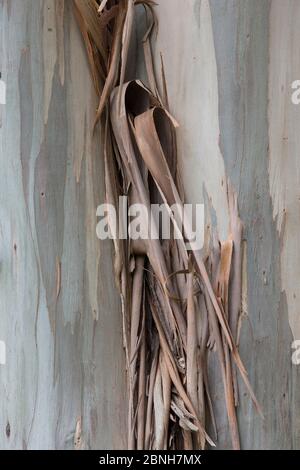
(176, 301)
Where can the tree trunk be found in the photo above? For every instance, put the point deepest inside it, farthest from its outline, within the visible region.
(63, 384)
(229, 66)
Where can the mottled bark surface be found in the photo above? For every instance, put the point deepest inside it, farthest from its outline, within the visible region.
(229, 65)
(64, 381)
(229, 74)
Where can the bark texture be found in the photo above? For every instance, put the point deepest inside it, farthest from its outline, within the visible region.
(63, 382)
(229, 75)
(229, 65)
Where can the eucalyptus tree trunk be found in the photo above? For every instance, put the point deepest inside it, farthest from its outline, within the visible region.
(229, 66)
(63, 384)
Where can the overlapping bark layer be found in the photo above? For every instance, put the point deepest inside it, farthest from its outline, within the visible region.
(177, 302)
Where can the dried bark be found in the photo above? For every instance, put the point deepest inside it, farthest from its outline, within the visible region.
(176, 301)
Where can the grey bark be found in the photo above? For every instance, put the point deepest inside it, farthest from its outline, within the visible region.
(63, 385)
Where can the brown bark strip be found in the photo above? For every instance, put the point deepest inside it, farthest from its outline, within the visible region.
(175, 303)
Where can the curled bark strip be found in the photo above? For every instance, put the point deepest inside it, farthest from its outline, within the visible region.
(176, 304)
